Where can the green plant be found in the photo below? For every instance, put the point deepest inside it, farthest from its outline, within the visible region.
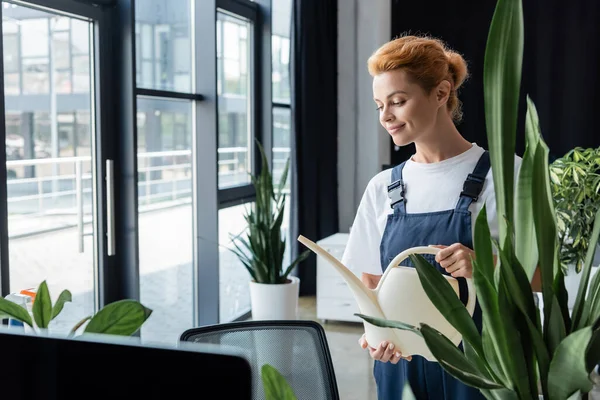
(515, 356)
(575, 182)
(262, 248)
(275, 385)
(122, 317)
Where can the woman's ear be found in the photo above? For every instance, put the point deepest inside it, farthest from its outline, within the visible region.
(442, 92)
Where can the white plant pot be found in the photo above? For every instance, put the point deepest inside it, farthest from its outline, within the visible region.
(275, 301)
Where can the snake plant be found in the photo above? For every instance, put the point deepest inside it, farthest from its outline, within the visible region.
(516, 356)
(261, 246)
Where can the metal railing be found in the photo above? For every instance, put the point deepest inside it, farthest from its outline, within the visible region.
(60, 189)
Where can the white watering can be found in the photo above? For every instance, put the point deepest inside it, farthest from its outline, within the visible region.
(399, 296)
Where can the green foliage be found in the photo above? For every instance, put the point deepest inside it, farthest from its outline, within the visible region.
(261, 246)
(124, 317)
(275, 385)
(575, 182)
(516, 356)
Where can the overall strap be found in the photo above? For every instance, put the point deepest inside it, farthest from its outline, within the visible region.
(474, 183)
(396, 190)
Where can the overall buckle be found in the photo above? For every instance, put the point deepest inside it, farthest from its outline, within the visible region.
(396, 192)
(472, 187)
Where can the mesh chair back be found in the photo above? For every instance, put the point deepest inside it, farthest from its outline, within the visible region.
(298, 349)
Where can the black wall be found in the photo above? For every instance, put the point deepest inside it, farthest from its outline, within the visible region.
(561, 64)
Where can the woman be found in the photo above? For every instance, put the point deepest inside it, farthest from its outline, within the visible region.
(431, 199)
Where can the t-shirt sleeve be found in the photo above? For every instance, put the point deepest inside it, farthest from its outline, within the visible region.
(362, 250)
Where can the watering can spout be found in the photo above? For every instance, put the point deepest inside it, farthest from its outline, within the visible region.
(365, 298)
(361, 292)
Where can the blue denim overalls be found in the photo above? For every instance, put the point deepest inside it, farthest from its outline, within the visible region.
(428, 380)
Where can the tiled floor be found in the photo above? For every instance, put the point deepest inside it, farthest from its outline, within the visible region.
(353, 366)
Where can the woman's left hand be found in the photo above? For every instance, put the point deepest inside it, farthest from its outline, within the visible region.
(456, 259)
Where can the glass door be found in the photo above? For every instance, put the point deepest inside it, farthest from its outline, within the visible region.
(52, 182)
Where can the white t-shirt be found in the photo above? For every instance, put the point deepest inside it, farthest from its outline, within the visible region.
(430, 187)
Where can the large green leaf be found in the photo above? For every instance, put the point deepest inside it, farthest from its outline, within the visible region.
(498, 345)
(545, 227)
(452, 359)
(517, 370)
(480, 362)
(64, 296)
(578, 309)
(123, 317)
(482, 244)
(556, 330)
(388, 323)
(568, 372)
(444, 298)
(518, 285)
(591, 307)
(562, 297)
(501, 87)
(592, 357)
(42, 306)
(487, 295)
(500, 394)
(8, 309)
(492, 356)
(525, 241)
(275, 385)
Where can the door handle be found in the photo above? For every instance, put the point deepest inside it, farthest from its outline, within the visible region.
(110, 208)
(79, 200)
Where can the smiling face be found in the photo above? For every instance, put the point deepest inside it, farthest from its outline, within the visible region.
(407, 111)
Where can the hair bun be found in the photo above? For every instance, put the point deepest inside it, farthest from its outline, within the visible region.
(457, 67)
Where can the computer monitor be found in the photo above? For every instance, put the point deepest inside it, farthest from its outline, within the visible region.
(114, 367)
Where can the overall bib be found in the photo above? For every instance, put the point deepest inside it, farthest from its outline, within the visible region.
(428, 380)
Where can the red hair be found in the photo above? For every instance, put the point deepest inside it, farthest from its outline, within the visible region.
(427, 61)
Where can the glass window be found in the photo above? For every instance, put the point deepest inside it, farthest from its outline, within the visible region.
(234, 292)
(235, 108)
(11, 84)
(280, 48)
(81, 74)
(50, 165)
(165, 216)
(80, 37)
(282, 118)
(9, 26)
(165, 44)
(34, 37)
(11, 53)
(61, 53)
(35, 75)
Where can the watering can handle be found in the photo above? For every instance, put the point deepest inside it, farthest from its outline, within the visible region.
(428, 250)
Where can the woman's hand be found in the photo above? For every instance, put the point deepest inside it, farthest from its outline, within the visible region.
(456, 259)
(384, 353)
(370, 280)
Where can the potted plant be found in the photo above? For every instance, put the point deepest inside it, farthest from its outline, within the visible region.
(123, 317)
(575, 182)
(261, 246)
(517, 356)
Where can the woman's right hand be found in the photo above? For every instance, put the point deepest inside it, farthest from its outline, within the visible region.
(384, 352)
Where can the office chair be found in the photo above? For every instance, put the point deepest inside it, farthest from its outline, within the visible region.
(298, 349)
